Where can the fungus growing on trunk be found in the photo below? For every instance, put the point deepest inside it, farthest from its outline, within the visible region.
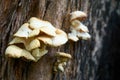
(31, 35)
(61, 61)
(78, 30)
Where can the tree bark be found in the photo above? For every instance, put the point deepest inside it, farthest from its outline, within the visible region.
(92, 60)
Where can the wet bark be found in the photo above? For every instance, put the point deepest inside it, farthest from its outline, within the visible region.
(95, 59)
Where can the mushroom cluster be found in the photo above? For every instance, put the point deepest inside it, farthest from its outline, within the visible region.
(31, 39)
(61, 60)
(78, 30)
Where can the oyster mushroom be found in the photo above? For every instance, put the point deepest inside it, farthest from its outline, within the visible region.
(16, 52)
(84, 36)
(77, 25)
(43, 26)
(60, 63)
(38, 53)
(58, 40)
(34, 33)
(78, 30)
(30, 43)
(23, 31)
(78, 15)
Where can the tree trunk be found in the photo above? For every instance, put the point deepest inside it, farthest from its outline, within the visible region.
(95, 59)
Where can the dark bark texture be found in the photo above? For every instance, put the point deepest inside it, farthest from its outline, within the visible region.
(96, 59)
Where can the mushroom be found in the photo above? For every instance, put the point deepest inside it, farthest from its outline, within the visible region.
(62, 58)
(29, 43)
(23, 31)
(84, 36)
(77, 25)
(38, 53)
(43, 26)
(78, 30)
(58, 40)
(16, 52)
(78, 15)
(63, 55)
(60, 67)
(73, 37)
(34, 33)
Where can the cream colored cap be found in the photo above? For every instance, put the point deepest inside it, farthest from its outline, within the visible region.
(30, 43)
(78, 15)
(84, 36)
(58, 40)
(23, 31)
(43, 26)
(16, 52)
(62, 54)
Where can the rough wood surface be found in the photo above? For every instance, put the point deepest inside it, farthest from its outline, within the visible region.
(92, 60)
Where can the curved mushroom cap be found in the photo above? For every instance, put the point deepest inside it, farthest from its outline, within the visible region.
(32, 44)
(77, 25)
(58, 40)
(60, 67)
(29, 43)
(48, 30)
(17, 40)
(84, 36)
(45, 39)
(43, 26)
(78, 15)
(38, 53)
(73, 37)
(62, 54)
(23, 31)
(16, 52)
(34, 32)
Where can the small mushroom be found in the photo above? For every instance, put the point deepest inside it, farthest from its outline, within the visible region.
(84, 36)
(63, 55)
(77, 25)
(60, 67)
(78, 15)
(48, 30)
(38, 53)
(16, 52)
(58, 40)
(73, 37)
(43, 26)
(34, 32)
(60, 63)
(29, 43)
(32, 44)
(23, 31)
(78, 30)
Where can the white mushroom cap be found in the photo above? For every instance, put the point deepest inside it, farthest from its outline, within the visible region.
(23, 31)
(34, 32)
(32, 44)
(17, 40)
(73, 37)
(58, 40)
(62, 54)
(78, 15)
(29, 43)
(16, 52)
(38, 53)
(43, 26)
(77, 25)
(84, 36)
(60, 67)
(46, 39)
(48, 30)
(35, 23)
